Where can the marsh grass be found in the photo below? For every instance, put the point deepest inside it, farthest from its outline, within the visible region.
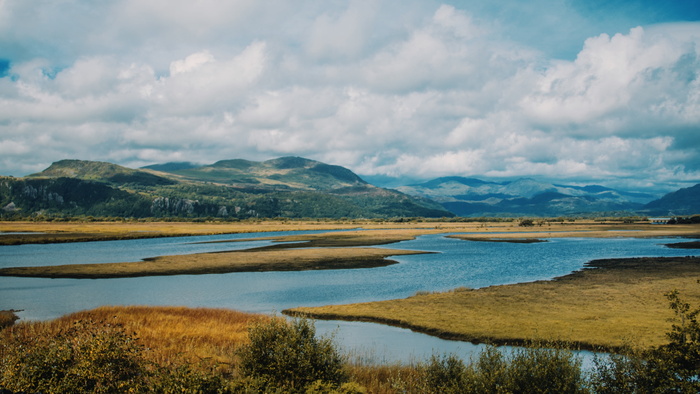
(173, 335)
(620, 303)
(221, 262)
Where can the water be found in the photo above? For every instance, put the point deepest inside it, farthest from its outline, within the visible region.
(457, 263)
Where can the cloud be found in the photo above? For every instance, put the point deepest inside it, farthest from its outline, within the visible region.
(400, 88)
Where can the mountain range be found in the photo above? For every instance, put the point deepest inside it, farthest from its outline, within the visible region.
(296, 187)
(527, 197)
(291, 187)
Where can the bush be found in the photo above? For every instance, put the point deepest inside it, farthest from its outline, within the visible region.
(446, 374)
(288, 356)
(527, 370)
(87, 357)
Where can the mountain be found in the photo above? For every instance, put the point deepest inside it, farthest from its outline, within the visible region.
(473, 197)
(681, 202)
(286, 187)
(100, 171)
(293, 173)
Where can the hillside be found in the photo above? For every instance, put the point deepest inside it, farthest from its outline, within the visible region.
(685, 201)
(284, 173)
(525, 197)
(233, 189)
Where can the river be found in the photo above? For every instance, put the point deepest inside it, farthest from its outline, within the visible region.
(457, 263)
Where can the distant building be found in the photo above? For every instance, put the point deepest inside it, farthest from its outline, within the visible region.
(659, 220)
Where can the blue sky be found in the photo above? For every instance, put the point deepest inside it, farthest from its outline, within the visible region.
(574, 91)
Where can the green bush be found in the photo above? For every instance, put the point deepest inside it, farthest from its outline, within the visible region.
(87, 357)
(288, 356)
(527, 370)
(445, 374)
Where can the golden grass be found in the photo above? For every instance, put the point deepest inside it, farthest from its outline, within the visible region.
(221, 262)
(620, 304)
(171, 335)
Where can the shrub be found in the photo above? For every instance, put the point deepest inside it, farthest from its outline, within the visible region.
(446, 374)
(87, 357)
(526, 223)
(288, 356)
(526, 370)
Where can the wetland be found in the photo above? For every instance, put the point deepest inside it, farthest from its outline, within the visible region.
(493, 279)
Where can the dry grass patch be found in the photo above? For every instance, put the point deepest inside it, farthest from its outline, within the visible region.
(620, 303)
(171, 335)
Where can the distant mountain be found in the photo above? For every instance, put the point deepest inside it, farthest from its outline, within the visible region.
(172, 166)
(679, 203)
(524, 197)
(286, 187)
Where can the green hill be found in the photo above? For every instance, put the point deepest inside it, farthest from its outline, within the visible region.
(291, 187)
(100, 171)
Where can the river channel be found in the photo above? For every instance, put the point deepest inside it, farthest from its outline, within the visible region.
(457, 263)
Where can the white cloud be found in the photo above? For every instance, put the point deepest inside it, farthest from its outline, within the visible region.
(401, 88)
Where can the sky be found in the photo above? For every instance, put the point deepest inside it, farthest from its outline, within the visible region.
(574, 91)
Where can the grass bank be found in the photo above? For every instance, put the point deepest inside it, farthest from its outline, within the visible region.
(608, 305)
(220, 262)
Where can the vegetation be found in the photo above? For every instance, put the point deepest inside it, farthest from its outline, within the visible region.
(220, 262)
(289, 357)
(131, 351)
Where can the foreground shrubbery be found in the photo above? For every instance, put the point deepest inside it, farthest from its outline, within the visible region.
(281, 357)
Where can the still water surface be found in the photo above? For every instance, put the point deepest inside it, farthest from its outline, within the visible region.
(457, 263)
